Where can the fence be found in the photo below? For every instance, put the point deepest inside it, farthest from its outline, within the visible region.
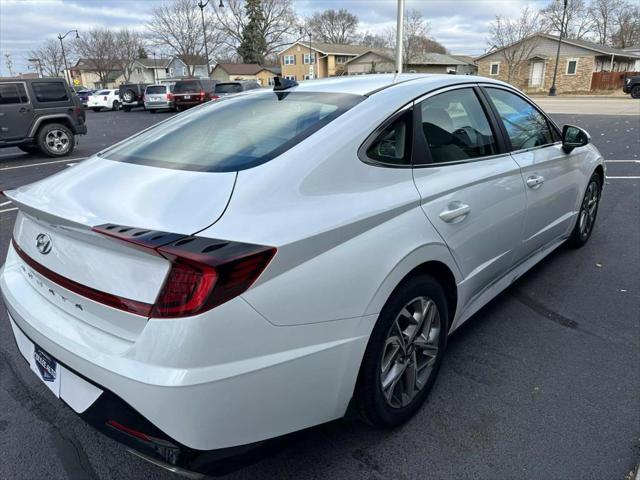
(609, 80)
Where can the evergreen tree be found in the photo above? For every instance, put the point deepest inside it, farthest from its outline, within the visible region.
(253, 43)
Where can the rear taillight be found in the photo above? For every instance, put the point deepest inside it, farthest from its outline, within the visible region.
(204, 272)
(169, 96)
(202, 94)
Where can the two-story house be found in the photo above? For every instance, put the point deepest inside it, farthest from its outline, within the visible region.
(304, 60)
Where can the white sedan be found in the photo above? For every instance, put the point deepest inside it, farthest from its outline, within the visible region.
(107, 98)
(259, 264)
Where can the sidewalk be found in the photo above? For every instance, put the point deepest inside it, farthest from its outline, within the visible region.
(589, 105)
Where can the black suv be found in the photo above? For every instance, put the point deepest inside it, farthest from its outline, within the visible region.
(132, 95)
(40, 115)
(192, 92)
(632, 86)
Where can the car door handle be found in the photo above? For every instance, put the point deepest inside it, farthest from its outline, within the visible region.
(23, 110)
(456, 212)
(535, 181)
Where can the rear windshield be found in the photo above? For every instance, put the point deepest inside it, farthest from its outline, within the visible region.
(103, 92)
(187, 87)
(228, 88)
(157, 89)
(234, 133)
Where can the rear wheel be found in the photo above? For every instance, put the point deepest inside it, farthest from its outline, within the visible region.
(404, 353)
(29, 148)
(126, 109)
(587, 214)
(635, 91)
(115, 106)
(55, 140)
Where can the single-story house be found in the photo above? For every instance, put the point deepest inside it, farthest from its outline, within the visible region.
(304, 60)
(579, 60)
(383, 61)
(224, 72)
(634, 49)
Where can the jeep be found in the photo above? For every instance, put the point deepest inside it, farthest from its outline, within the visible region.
(40, 115)
(132, 95)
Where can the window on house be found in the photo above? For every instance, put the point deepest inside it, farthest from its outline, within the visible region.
(494, 69)
(290, 77)
(171, 72)
(572, 66)
(271, 82)
(342, 59)
(309, 59)
(184, 70)
(289, 59)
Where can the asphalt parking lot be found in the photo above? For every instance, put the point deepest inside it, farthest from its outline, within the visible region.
(543, 383)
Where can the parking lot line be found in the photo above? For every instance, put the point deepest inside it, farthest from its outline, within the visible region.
(5, 203)
(622, 161)
(618, 178)
(42, 163)
(8, 210)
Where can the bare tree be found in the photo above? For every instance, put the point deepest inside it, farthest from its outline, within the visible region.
(373, 40)
(129, 44)
(278, 26)
(626, 26)
(515, 39)
(602, 13)
(415, 39)
(98, 49)
(334, 26)
(578, 24)
(178, 27)
(50, 56)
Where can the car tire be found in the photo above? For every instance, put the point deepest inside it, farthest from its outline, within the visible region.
(587, 214)
(635, 92)
(115, 106)
(55, 140)
(126, 109)
(151, 110)
(96, 109)
(397, 373)
(32, 149)
(178, 109)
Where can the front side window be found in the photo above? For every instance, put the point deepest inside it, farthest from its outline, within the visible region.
(12, 93)
(393, 144)
(525, 125)
(50, 92)
(456, 127)
(234, 133)
(289, 59)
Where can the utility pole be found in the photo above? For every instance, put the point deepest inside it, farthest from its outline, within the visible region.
(552, 90)
(38, 66)
(64, 57)
(155, 68)
(399, 31)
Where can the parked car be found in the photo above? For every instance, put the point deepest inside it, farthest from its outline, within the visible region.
(228, 88)
(40, 116)
(192, 92)
(107, 98)
(298, 252)
(132, 95)
(632, 86)
(158, 97)
(84, 95)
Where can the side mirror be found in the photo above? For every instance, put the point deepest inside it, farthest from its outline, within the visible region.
(573, 137)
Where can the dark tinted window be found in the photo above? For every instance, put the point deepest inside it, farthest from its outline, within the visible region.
(228, 88)
(188, 86)
(393, 143)
(525, 125)
(234, 133)
(456, 127)
(12, 93)
(156, 89)
(50, 91)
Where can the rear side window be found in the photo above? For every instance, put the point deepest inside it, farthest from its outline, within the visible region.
(228, 88)
(187, 87)
(12, 93)
(50, 92)
(456, 127)
(235, 133)
(392, 146)
(157, 89)
(525, 125)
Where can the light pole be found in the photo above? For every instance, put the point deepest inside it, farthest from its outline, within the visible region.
(64, 57)
(204, 32)
(155, 68)
(38, 63)
(552, 90)
(311, 62)
(399, 32)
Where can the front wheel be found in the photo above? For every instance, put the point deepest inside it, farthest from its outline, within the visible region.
(115, 106)
(404, 353)
(587, 214)
(635, 92)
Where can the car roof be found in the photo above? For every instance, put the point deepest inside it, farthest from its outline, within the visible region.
(371, 83)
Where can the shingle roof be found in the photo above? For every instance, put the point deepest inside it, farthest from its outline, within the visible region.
(150, 62)
(240, 68)
(193, 59)
(332, 48)
(429, 58)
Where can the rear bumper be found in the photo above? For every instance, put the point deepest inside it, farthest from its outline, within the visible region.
(189, 103)
(224, 381)
(158, 105)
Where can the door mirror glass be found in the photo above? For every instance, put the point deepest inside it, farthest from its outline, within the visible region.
(573, 137)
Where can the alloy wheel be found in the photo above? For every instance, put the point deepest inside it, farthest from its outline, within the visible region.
(588, 210)
(410, 351)
(57, 140)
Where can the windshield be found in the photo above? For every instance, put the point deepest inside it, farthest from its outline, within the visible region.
(187, 87)
(228, 88)
(103, 92)
(157, 89)
(235, 133)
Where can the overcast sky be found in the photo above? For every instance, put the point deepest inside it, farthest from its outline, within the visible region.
(461, 25)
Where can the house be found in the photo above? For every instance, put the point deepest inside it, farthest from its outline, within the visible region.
(224, 72)
(383, 61)
(635, 49)
(83, 73)
(579, 60)
(151, 70)
(304, 60)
